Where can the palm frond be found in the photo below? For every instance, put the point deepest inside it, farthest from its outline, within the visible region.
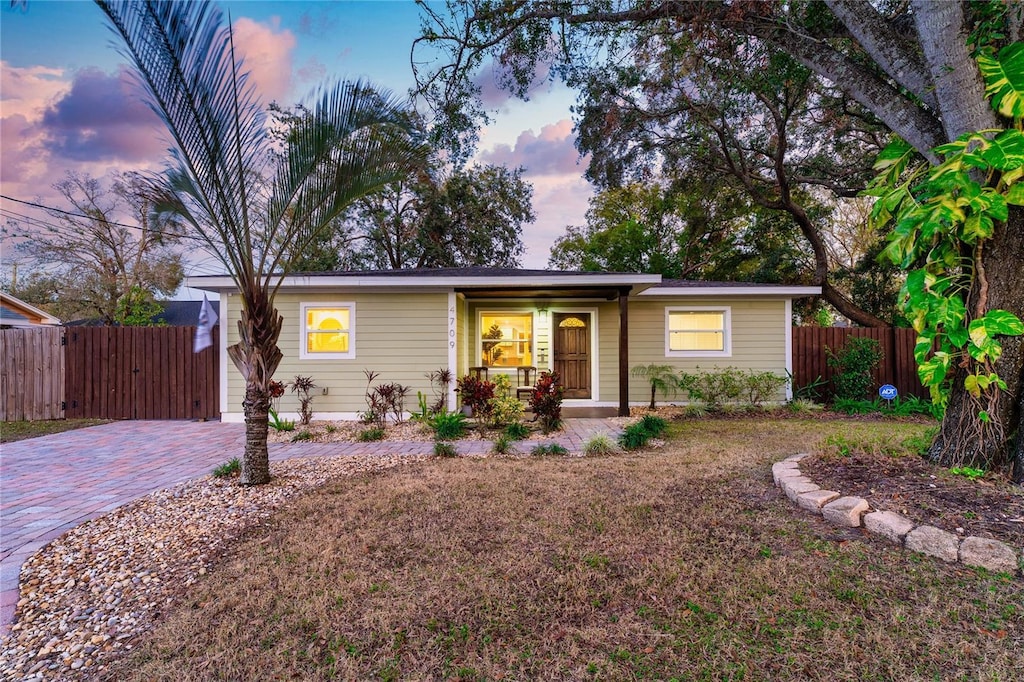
(185, 62)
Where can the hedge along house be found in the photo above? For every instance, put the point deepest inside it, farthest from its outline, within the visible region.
(590, 327)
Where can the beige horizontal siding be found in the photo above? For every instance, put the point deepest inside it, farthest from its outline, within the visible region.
(758, 338)
(402, 337)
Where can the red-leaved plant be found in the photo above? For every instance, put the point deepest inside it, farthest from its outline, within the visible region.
(546, 401)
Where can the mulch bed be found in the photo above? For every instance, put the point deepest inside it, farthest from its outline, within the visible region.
(989, 507)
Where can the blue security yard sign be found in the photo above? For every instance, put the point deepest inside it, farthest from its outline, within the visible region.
(888, 392)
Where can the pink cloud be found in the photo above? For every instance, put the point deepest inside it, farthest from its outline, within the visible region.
(266, 49)
(551, 152)
(491, 78)
(558, 201)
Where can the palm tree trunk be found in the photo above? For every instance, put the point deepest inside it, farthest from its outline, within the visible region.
(256, 460)
(257, 356)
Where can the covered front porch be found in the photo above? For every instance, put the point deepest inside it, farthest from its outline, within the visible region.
(580, 330)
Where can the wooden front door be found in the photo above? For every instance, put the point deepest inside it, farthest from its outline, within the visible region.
(572, 353)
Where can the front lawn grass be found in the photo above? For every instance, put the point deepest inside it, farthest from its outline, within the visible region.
(21, 430)
(681, 562)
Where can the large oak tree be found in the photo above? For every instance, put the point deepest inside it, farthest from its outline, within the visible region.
(909, 65)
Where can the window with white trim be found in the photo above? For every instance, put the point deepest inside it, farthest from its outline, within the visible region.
(506, 339)
(328, 331)
(698, 332)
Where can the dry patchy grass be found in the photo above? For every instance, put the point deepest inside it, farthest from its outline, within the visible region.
(677, 563)
(22, 430)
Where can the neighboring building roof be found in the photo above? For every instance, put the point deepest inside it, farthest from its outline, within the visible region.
(16, 313)
(180, 313)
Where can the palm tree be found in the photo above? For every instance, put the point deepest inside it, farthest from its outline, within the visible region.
(253, 200)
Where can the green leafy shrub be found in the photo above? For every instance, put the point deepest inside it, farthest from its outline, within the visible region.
(504, 410)
(654, 426)
(714, 389)
(371, 434)
(517, 431)
(634, 436)
(330, 428)
(444, 449)
(277, 423)
(969, 473)
(548, 449)
(232, 467)
(855, 364)
(759, 387)
(599, 445)
(448, 425)
(502, 445)
(546, 401)
(302, 435)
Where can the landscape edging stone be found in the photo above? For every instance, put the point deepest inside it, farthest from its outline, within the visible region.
(972, 551)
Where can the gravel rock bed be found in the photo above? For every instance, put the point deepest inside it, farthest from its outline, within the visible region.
(87, 595)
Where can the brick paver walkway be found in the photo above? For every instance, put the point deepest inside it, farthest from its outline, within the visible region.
(51, 484)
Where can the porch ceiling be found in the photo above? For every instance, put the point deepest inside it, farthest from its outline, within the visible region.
(604, 293)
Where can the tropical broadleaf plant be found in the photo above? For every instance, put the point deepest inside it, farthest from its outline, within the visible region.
(941, 218)
(253, 199)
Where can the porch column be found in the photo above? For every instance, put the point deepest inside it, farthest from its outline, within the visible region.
(624, 352)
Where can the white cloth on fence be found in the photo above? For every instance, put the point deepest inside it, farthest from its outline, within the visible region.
(204, 330)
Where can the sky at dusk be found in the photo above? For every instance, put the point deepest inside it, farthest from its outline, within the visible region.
(67, 104)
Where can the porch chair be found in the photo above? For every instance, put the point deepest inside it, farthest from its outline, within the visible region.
(479, 372)
(525, 379)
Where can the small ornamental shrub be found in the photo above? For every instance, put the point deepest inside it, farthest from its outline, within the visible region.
(546, 401)
(302, 435)
(277, 423)
(303, 387)
(662, 378)
(517, 431)
(440, 380)
(549, 449)
(759, 387)
(448, 425)
(371, 434)
(634, 436)
(654, 426)
(714, 389)
(476, 394)
(502, 445)
(503, 411)
(443, 449)
(855, 364)
(599, 445)
(232, 467)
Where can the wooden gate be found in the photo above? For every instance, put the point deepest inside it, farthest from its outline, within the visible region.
(31, 374)
(140, 373)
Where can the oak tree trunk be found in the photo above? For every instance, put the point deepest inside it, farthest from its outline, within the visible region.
(962, 440)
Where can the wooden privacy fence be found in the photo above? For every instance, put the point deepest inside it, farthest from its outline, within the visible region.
(140, 373)
(107, 373)
(31, 374)
(898, 366)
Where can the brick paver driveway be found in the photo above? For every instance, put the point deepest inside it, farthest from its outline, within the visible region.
(51, 484)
